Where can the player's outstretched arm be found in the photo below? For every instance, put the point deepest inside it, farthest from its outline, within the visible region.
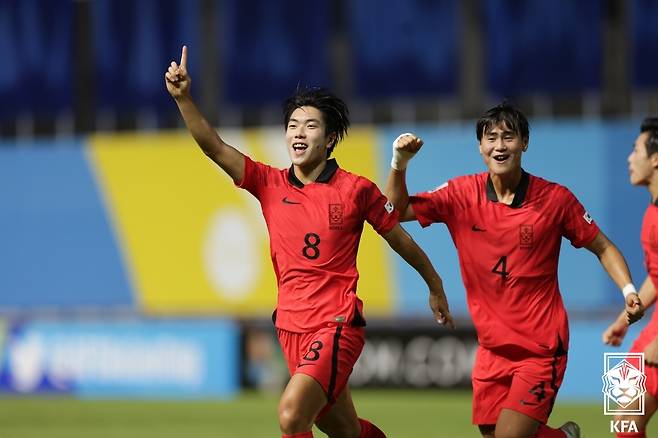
(615, 265)
(178, 84)
(614, 334)
(403, 244)
(404, 148)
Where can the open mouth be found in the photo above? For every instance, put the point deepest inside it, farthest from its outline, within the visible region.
(299, 148)
(501, 158)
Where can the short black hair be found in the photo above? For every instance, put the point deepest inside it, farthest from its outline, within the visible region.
(650, 125)
(506, 113)
(333, 109)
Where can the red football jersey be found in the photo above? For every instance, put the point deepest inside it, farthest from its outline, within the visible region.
(314, 232)
(649, 237)
(508, 255)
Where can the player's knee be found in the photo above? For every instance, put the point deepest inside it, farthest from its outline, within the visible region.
(515, 431)
(292, 419)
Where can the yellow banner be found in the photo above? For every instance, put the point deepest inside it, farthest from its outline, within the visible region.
(194, 243)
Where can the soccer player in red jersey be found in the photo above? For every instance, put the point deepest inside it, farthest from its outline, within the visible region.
(643, 170)
(314, 213)
(507, 226)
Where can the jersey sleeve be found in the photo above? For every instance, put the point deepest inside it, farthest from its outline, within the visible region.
(577, 225)
(433, 206)
(254, 178)
(378, 211)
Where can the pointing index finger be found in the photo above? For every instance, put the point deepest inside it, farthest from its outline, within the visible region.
(183, 57)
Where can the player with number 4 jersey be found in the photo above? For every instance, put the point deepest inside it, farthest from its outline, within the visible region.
(509, 255)
(315, 213)
(507, 226)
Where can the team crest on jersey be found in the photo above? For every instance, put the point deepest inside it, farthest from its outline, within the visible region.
(389, 207)
(335, 216)
(526, 236)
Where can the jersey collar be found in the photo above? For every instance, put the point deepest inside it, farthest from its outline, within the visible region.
(324, 177)
(519, 194)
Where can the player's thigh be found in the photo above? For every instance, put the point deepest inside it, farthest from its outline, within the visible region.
(341, 419)
(491, 381)
(650, 407)
(535, 386)
(329, 357)
(513, 424)
(488, 398)
(301, 401)
(641, 421)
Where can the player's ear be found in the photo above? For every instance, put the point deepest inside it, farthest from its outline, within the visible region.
(331, 140)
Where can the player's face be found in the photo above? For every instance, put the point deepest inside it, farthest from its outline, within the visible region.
(306, 137)
(501, 149)
(640, 168)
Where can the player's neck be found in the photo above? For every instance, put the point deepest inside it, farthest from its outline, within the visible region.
(310, 173)
(653, 187)
(505, 185)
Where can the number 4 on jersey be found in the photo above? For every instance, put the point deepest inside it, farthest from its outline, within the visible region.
(501, 268)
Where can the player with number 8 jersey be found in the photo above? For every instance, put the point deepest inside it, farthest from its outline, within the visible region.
(507, 226)
(315, 214)
(314, 236)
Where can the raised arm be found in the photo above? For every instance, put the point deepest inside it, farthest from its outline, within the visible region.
(615, 265)
(178, 84)
(404, 148)
(403, 244)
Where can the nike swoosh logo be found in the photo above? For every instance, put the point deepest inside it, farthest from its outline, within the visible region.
(288, 201)
(476, 228)
(304, 364)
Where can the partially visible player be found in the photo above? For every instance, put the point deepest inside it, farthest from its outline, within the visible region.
(315, 213)
(507, 226)
(643, 171)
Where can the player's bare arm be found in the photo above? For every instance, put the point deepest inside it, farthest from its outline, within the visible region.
(403, 244)
(404, 148)
(178, 83)
(615, 265)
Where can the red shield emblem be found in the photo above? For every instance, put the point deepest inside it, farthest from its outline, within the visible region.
(335, 215)
(526, 236)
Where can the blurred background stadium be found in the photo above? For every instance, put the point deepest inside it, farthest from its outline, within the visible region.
(135, 281)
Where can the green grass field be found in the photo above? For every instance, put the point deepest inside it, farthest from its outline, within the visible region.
(400, 414)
